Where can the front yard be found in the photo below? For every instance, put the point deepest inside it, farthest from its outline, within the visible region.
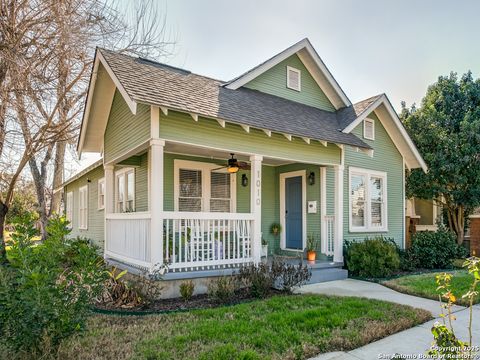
(424, 285)
(280, 327)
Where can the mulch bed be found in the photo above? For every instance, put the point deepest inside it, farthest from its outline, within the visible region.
(202, 301)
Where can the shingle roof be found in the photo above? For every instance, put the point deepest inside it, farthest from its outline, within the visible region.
(347, 115)
(158, 84)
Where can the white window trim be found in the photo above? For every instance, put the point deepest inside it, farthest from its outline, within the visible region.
(283, 238)
(69, 208)
(80, 225)
(206, 169)
(371, 121)
(101, 206)
(289, 68)
(124, 171)
(368, 174)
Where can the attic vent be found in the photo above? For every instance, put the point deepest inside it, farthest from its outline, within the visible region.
(369, 129)
(293, 78)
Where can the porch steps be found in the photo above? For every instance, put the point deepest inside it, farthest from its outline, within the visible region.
(327, 271)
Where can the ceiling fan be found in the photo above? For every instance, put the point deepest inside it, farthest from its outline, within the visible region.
(233, 165)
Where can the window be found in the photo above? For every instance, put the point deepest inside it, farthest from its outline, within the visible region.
(294, 79)
(368, 201)
(369, 129)
(69, 207)
(101, 194)
(201, 187)
(83, 208)
(125, 190)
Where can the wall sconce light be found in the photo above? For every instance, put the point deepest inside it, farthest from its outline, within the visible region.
(311, 178)
(244, 180)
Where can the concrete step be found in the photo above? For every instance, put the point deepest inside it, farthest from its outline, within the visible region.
(320, 275)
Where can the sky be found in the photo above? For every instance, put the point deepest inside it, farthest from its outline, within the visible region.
(370, 46)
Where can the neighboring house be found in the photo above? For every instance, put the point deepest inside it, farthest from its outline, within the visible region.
(307, 158)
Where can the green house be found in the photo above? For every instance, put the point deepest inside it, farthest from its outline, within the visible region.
(196, 171)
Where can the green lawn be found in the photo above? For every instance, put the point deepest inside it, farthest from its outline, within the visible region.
(281, 327)
(424, 285)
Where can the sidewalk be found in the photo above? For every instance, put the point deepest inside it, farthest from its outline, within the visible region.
(414, 341)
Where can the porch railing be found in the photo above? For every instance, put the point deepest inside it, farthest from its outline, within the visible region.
(200, 241)
(128, 238)
(329, 245)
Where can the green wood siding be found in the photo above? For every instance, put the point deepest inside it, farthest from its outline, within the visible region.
(124, 130)
(180, 127)
(386, 158)
(141, 184)
(95, 230)
(274, 82)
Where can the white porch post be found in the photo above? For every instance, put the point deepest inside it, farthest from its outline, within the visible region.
(109, 200)
(256, 205)
(156, 201)
(338, 246)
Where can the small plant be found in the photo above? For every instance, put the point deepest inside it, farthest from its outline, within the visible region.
(276, 229)
(446, 345)
(311, 247)
(289, 276)
(186, 289)
(373, 258)
(222, 289)
(118, 293)
(258, 279)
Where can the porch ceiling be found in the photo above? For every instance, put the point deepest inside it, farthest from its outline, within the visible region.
(220, 155)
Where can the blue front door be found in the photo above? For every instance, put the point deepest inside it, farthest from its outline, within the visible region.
(293, 213)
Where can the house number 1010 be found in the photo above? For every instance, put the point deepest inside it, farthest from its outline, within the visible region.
(258, 183)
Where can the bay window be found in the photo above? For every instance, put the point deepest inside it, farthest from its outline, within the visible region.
(367, 200)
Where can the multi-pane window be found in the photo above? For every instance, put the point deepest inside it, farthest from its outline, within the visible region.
(220, 192)
(125, 190)
(83, 207)
(190, 190)
(368, 210)
(69, 207)
(101, 194)
(202, 187)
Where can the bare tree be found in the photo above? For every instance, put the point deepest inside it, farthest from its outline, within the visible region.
(46, 51)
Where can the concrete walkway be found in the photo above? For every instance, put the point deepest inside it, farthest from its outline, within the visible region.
(414, 341)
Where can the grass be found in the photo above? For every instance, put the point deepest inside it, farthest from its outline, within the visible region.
(424, 285)
(281, 327)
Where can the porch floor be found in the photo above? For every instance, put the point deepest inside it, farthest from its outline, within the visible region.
(322, 270)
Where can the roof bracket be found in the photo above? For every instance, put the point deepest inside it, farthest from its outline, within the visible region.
(221, 123)
(288, 136)
(307, 140)
(246, 128)
(194, 116)
(164, 110)
(324, 143)
(267, 132)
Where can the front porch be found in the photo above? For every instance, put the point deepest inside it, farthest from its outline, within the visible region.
(193, 221)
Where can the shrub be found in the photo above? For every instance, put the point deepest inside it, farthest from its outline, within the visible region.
(47, 289)
(374, 258)
(258, 279)
(435, 250)
(186, 289)
(287, 277)
(222, 289)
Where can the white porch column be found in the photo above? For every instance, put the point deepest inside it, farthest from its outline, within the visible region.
(256, 205)
(156, 201)
(109, 200)
(338, 246)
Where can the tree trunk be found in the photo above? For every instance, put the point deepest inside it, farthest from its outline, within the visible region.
(58, 176)
(3, 250)
(456, 220)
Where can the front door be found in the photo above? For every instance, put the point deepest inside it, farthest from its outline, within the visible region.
(293, 213)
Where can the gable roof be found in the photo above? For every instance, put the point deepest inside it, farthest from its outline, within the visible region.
(350, 118)
(148, 82)
(312, 61)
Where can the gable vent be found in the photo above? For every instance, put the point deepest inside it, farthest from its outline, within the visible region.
(369, 129)
(293, 78)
